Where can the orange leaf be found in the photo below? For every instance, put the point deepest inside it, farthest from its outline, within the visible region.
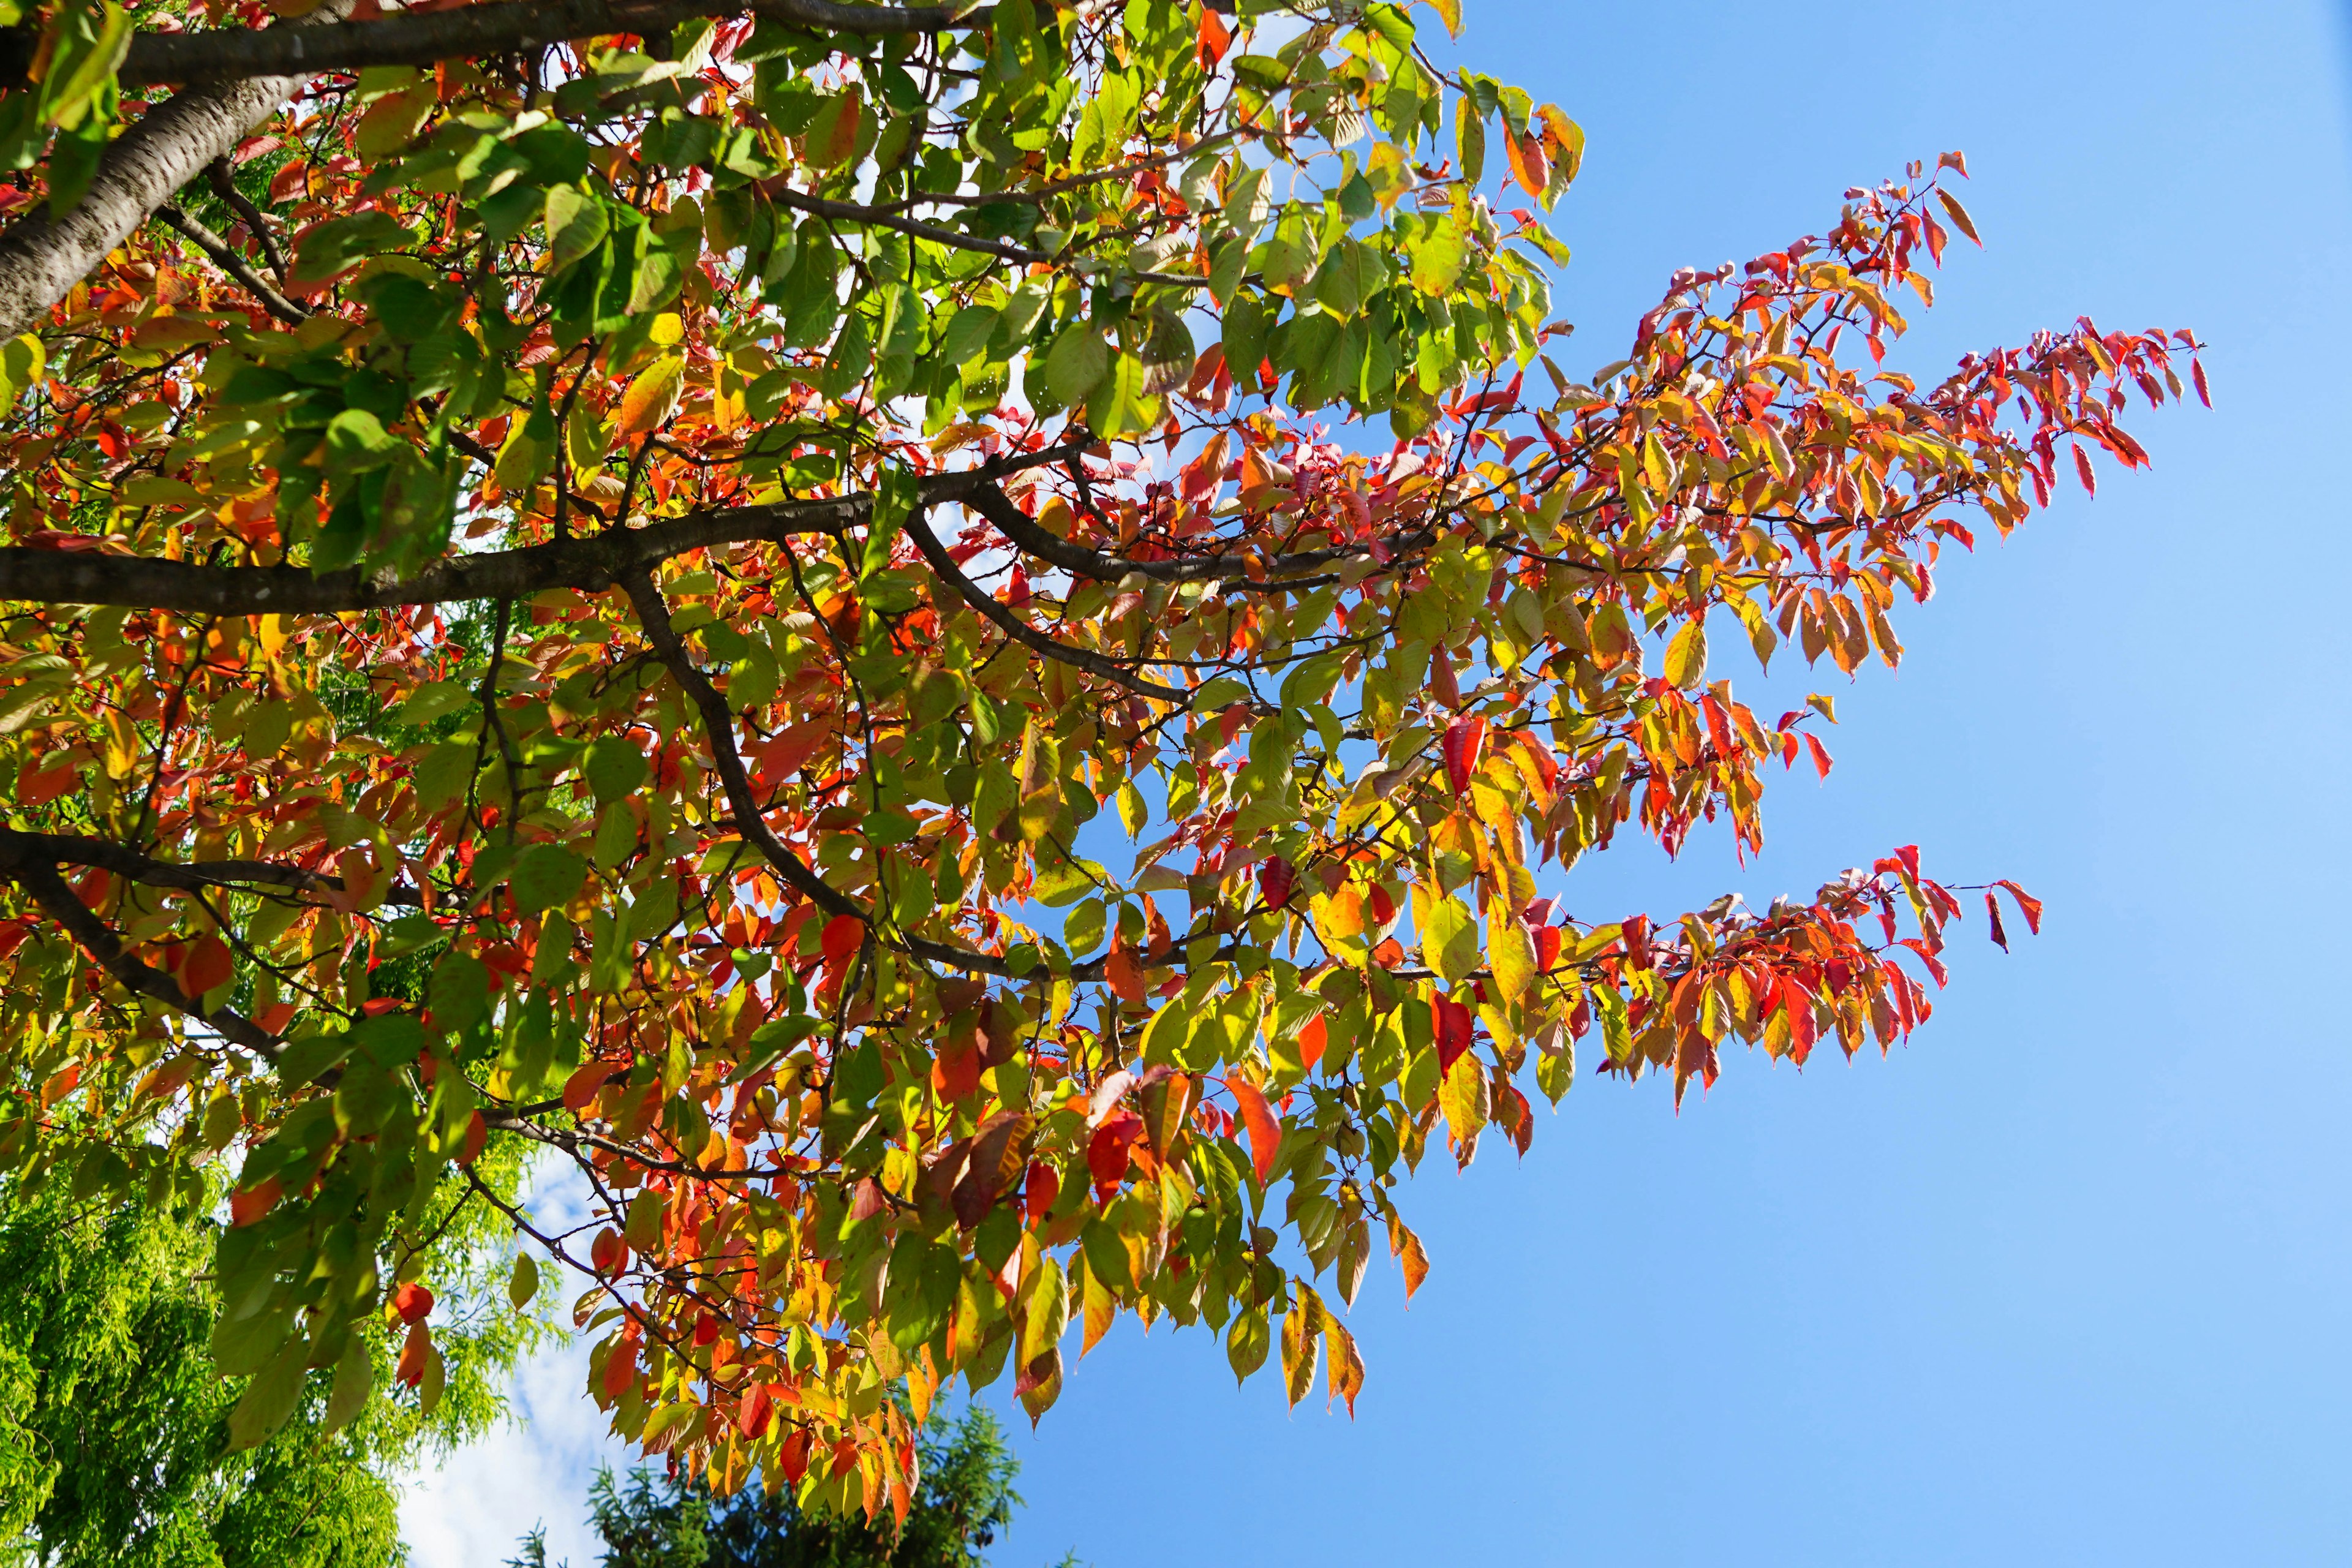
(413, 1301)
(1311, 1039)
(1215, 36)
(251, 1205)
(1967, 224)
(207, 967)
(1265, 1127)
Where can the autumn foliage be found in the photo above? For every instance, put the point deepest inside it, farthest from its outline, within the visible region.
(942, 649)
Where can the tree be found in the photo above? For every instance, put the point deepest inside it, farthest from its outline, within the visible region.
(965, 1497)
(114, 1421)
(586, 571)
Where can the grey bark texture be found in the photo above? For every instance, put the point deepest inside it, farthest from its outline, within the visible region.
(41, 260)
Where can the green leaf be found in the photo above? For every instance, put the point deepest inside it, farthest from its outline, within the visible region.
(340, 244)
(1076, 363)
(577, 225)
(1449, 935)
(459, 992)
(355, 1379)
(271, 1398)
(615, 769)
(1440, 254)
(1247, 1341)
(357, 442)
(523, 1284)
(546, 874)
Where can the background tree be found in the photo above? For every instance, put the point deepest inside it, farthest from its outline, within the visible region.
(965, 1500)
(585, 573)
(115, 1427)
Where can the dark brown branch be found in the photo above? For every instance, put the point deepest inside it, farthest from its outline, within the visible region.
(41, 881)
(225, 187)
(1020, 631)
(588, 566)
(189, 876)
(784, 195)
(236, 265)
(235, 54)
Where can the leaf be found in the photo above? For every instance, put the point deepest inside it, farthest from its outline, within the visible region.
(1077, 364)
(340, 244)
(1450, 13)
(653, 396)
(1439, 256)
(1450, 1023)
(1449, 935)
(1510, 951)
(354, 1380)
(547, 876)
(1263, 1127)
(615, 769)
(1302, 1339)
(1960, 218)
(271, 1398)
(523, 1284)
(577, 225)
(1465, 739)
(1686, 655)
(1247, 1341)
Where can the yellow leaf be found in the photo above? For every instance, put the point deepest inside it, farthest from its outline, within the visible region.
(1450, 13)
(653, 395)
(1510, 954)
(1686, 655)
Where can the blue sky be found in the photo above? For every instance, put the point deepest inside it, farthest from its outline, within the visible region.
(2065, 1279)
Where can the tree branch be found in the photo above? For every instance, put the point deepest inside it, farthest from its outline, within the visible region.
(40, 880)
(237, 54)
(189, 876)
(1021, 631)
(42, 259)
(236, 265)
(589, 565)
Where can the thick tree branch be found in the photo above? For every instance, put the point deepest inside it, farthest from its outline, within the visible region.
(189, 876)
(237, 54)
(589, 565)
(920, 530)
(41, 260)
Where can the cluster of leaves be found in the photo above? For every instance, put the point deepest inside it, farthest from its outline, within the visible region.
(622, 640)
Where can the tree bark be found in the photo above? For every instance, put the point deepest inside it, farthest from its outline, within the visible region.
(41, 260)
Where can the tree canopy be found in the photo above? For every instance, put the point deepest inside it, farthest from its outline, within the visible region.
(115, 1445)
(940, 646)
(964, 1499)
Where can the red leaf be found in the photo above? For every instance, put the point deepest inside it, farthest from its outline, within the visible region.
(1043, 1186)
(2026, 905)
(1452, 1023)
(751, 1415)
(1547, 945)
(607, 1252)
(1821, 756)
(1992, 913)
(706, 1329)
(413, 1302)
(581, 1087)
(1215, 38)
(414, 1356)
(2082, 471)
(842, 936)
(1464, 738)
(1107, 1151)
(957, 1071)
(1276, 880)
(1265, 1127)
(1383, 907)
(1312, 1036)
(2197, 374)
(477, 1133)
